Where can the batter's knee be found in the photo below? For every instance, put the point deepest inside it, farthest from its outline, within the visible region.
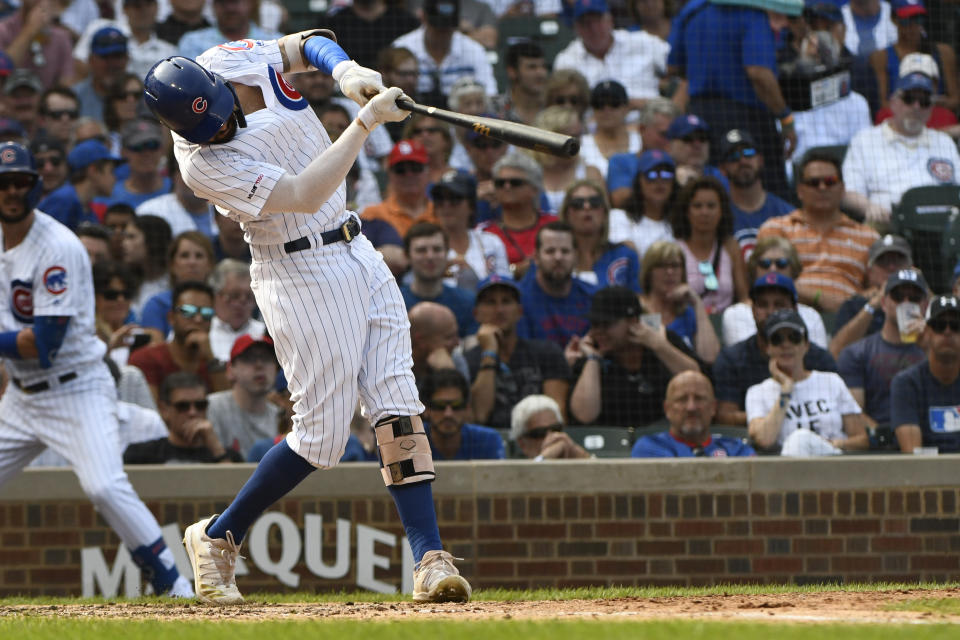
(404, 450)
(105, 491)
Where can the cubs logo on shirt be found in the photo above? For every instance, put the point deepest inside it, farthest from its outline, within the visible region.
(240, 45)
(21, 300)
(617, 271)
(941, 169)
(55, 280)
(287, 95)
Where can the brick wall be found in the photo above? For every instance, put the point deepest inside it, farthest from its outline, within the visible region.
(591, 523)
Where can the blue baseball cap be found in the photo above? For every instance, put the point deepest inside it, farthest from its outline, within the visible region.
(823, 9)
(685, 125)
(88, 152)
(10, 128)
(774, 280)
(583, 7)
(654, 158)
(108, 41)
(498, 280)
(915, 81)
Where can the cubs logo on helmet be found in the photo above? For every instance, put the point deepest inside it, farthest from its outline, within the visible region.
(16, 158)
(8, 156)
(199, 105)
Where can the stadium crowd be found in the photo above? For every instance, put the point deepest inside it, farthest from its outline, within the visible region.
(725, 269)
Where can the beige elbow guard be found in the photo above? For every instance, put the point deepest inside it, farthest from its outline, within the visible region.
(292, 46)
(404, 450)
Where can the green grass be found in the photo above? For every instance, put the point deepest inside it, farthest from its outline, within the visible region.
(75, 629)
(512, 595)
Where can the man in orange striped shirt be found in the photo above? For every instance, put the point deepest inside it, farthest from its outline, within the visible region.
(832, 247)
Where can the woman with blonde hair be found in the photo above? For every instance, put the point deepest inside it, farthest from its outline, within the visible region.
(663, 277)
(558, 172)
(600, 262)
(190, 258)
(568, 88)
(771, 255)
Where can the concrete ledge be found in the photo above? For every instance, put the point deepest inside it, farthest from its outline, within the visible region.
(521, 477)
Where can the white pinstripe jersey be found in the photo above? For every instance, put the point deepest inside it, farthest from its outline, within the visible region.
(286, 136)
(49, 274)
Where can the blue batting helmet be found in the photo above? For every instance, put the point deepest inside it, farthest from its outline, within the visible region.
(16, 158)
(191, 100)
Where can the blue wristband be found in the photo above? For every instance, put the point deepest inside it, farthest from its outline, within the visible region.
(323, 53)
(8, 345)
(490, 354)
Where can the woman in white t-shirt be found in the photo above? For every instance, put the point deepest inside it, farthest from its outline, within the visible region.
(807, 413)
(646, 217)
(610, 107)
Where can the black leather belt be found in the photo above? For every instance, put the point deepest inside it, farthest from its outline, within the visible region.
(345, 233)
(43, 385)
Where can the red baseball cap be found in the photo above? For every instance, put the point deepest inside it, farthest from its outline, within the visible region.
(246, 341)
(408, 151)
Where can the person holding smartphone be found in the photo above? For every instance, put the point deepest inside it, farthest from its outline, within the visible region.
(807, 413)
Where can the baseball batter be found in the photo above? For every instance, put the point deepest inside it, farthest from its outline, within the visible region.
(248, 142)
(61, 394)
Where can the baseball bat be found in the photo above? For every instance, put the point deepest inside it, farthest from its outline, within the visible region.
(520, 135)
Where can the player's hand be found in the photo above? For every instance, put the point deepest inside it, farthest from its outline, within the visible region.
(383, 108)
(358, 83)
(488, 337)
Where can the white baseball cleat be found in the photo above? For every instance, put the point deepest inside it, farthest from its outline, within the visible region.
(213, 560)
(436, 579)
(181, 589)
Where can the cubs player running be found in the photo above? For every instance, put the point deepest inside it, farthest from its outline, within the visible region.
(61, 394)
(249, 143)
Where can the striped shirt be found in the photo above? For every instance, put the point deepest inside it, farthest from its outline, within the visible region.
(834, 261)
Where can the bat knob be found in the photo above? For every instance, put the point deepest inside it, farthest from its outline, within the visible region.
(571, 147)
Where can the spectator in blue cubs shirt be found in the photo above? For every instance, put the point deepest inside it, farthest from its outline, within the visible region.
(689, 407)
(446, 396)
(599, 261)
(924, 399)
(555, 303)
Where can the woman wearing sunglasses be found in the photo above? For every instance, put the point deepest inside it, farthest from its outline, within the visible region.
(120, 107)
(610, 107)
(436, 138)
(646, 217)
(568, 88)
(703, 226)
(190, 258)
(666, 292)
(598, 261)
(559, 172)
(807, 413)
(113, 288)
(771, 255)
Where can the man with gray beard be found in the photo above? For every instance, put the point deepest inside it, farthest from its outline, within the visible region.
(901, 153)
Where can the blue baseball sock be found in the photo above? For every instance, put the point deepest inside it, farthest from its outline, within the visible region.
(415, 505)
(279, 472)
(156, 562)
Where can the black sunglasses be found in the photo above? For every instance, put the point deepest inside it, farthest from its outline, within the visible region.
(128, 94)
(939, 325)
(184, 405)
(403, 168)
(191, 311)
(792, 335)
(766, 263)
(17, 181)
(907, 292)
(607, 104)
(825, 181)
(451, 198)
(115, 294)
(573, 101)
(53, 161)
(922, 98)
(443, 405)
(500, 183)
(149, 145)
(58, 114)
(541, 433)
(746, 152)
(696, 137)
(486, 143)
(594, 202)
